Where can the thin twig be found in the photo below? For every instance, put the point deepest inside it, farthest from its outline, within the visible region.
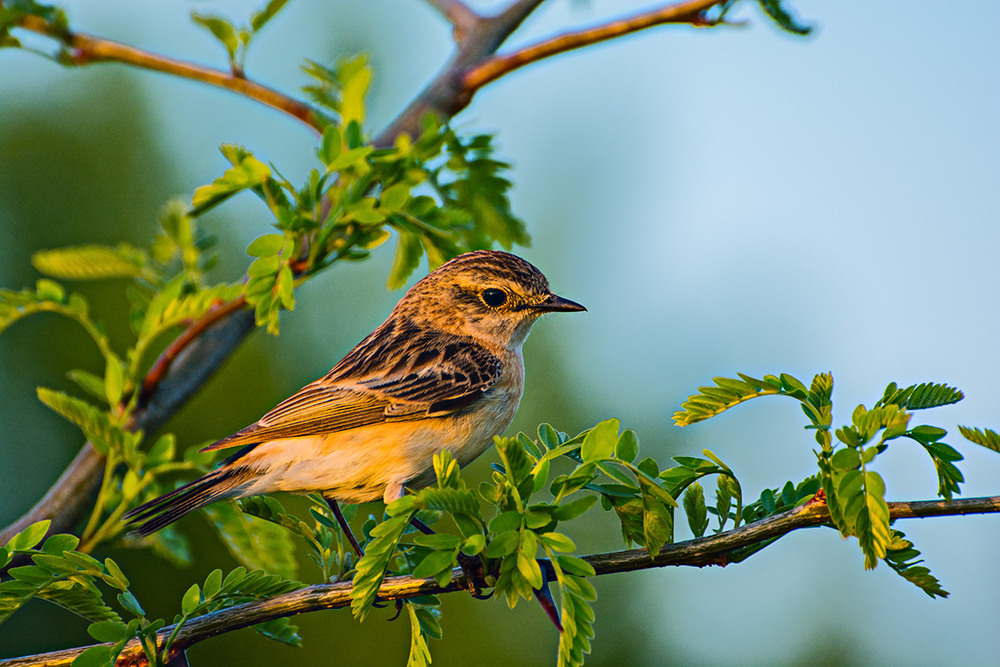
(85, 49)
(700, 552)
(159, 369)
(491, 69)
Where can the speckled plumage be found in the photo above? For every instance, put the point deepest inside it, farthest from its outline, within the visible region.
(444, 371)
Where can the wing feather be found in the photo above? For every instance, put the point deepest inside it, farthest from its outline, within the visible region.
(314, 410)
(398, 372)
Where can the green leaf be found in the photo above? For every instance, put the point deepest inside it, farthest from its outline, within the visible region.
(213, 583)
(269, 244)
(503, 544)
(573, 509)
(777, 13)
(108, 631)
(985, 437)
(118, 578)
(576, 566)
(95, 656)
(405, 260)
(349, 158)
(260, 18)
(627, 447)
(247, 172)
(727, 393)
(91, 262)
(89, 382)
(903, 558)
(223, 30)
(92, 421)
(920, 396)
(926, 434)
(372, 566)
(29, 537)
(434, 563)
(129, 602)
(394, 198)
(420, 654)
(600, 441)
(280, 630)
(191, 599)
(330, 147)
(474, 545)
(114, 381)
(696, 510)
(557, 541)
(355, 76)
(438, 541)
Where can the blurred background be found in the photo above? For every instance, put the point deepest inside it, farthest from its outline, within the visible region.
(721, 200)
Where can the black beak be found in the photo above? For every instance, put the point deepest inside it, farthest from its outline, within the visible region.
(556, 304)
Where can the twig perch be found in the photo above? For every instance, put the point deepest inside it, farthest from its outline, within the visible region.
(698, 553)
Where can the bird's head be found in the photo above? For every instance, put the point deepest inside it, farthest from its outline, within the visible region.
(490, 295)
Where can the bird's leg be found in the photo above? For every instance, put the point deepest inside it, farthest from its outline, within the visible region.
(349, 534)
(344, 526)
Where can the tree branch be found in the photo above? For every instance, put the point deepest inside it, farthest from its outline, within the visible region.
(85, 49)
(446, 95)
(713, 550)
(491, 69)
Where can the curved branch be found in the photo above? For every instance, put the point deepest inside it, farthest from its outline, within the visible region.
(491, 69)
(160, 369)
(713, 550)
(85, 49)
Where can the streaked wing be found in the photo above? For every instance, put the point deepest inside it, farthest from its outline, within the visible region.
(398, 372)
(407, 365)
(315, 409)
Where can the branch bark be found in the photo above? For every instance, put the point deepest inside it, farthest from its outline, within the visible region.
(713, 550)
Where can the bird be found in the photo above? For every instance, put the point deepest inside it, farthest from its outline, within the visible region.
(443, 372)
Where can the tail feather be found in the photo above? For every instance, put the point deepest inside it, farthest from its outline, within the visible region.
(159, 512)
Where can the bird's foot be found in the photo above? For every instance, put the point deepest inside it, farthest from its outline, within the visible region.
(475, 579)
(399, 609)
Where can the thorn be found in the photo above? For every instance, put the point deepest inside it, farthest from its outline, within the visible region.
(544, 597)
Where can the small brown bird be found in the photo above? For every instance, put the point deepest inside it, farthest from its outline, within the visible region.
(443, 372)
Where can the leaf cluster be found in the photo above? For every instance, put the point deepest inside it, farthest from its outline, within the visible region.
(853, 490)
(236, 40)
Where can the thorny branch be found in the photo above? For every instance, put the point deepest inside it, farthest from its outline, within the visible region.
(200, 352)
(713, 550)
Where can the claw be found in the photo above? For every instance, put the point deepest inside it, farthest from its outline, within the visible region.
(472, 568)
(399, 609)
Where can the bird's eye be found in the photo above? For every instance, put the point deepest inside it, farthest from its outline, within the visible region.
(493, 297)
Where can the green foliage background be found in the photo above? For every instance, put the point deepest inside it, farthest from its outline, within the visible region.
(799, 205)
